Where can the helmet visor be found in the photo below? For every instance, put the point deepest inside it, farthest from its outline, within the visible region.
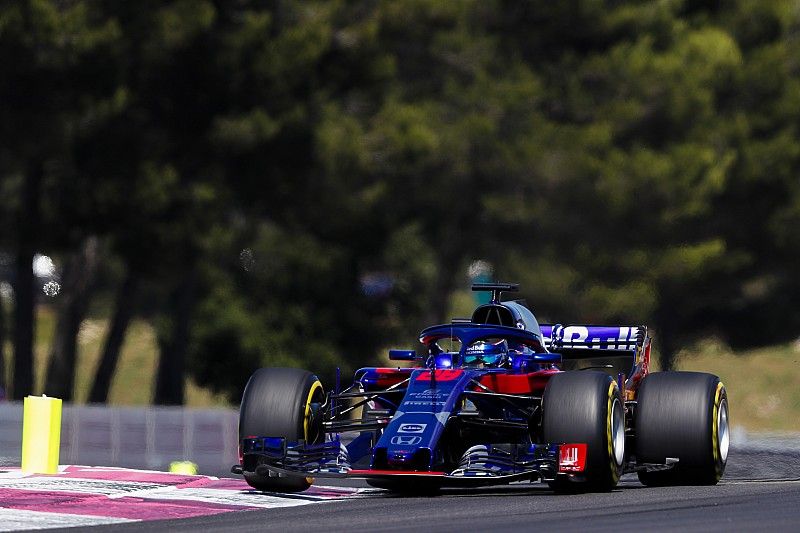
(486, 359)
(486, 352)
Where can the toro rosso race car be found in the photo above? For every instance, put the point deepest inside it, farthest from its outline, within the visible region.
(492, 399)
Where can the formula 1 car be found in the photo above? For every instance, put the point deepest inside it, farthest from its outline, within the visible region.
(493, 399)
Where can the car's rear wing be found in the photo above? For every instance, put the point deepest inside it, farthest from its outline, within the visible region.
(618, 350)
(557, 336)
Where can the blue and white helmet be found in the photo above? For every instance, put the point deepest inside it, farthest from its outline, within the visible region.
(486, 352)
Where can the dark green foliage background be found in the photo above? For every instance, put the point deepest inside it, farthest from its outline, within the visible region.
(624, 161)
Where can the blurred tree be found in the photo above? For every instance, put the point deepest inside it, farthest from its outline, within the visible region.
(77, 283)
(758, 208)
(47, 51)
(298, 183)
(650, 121)
(301, 302)
(335, 165)
(185, 92)
(144, 183)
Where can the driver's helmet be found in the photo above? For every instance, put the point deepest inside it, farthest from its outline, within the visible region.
(486, 353)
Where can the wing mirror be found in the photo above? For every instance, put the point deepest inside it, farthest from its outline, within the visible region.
(402, 355)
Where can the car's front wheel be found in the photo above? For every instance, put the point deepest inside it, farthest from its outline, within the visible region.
(281, 402)
(585, 407)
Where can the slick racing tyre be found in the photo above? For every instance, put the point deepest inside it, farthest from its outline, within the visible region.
(281, 402)
(585, 407)
(683, 416)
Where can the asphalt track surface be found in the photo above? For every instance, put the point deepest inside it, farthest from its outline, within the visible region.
(760, 491)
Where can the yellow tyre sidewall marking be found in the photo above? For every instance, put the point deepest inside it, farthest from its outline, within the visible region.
(715, 426)
(612, 393)
(314, 386)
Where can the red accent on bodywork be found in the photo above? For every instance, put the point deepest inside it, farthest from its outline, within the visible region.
(572, 457)
(390, 376)
(441, 375)
(533, 382)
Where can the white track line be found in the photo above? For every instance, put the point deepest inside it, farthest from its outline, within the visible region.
(21, 520)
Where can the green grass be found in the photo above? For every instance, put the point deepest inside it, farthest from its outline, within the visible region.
(763, 384)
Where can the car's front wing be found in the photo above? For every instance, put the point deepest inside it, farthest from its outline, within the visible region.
(486, 464)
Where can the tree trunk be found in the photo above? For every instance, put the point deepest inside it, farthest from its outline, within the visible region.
(24, 291)
(666, 331)
(3, 384)
(77, 283)
(123, 312)
(666, 348)
(171, 363)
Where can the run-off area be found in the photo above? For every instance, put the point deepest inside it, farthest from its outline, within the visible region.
(81, 496)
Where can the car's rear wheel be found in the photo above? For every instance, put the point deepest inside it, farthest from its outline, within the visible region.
(682, 416)
(281, 402)
(585, 407)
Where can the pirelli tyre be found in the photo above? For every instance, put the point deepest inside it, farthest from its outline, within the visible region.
(281, 402)
(682, 419)
(585, 407)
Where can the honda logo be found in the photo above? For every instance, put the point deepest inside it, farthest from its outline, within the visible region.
(406, 440)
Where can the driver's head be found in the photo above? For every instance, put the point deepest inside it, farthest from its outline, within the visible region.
(486, 353)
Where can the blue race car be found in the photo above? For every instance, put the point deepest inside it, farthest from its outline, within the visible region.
(492, 399)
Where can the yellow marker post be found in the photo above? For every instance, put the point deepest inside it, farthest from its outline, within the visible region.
(41, 434)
